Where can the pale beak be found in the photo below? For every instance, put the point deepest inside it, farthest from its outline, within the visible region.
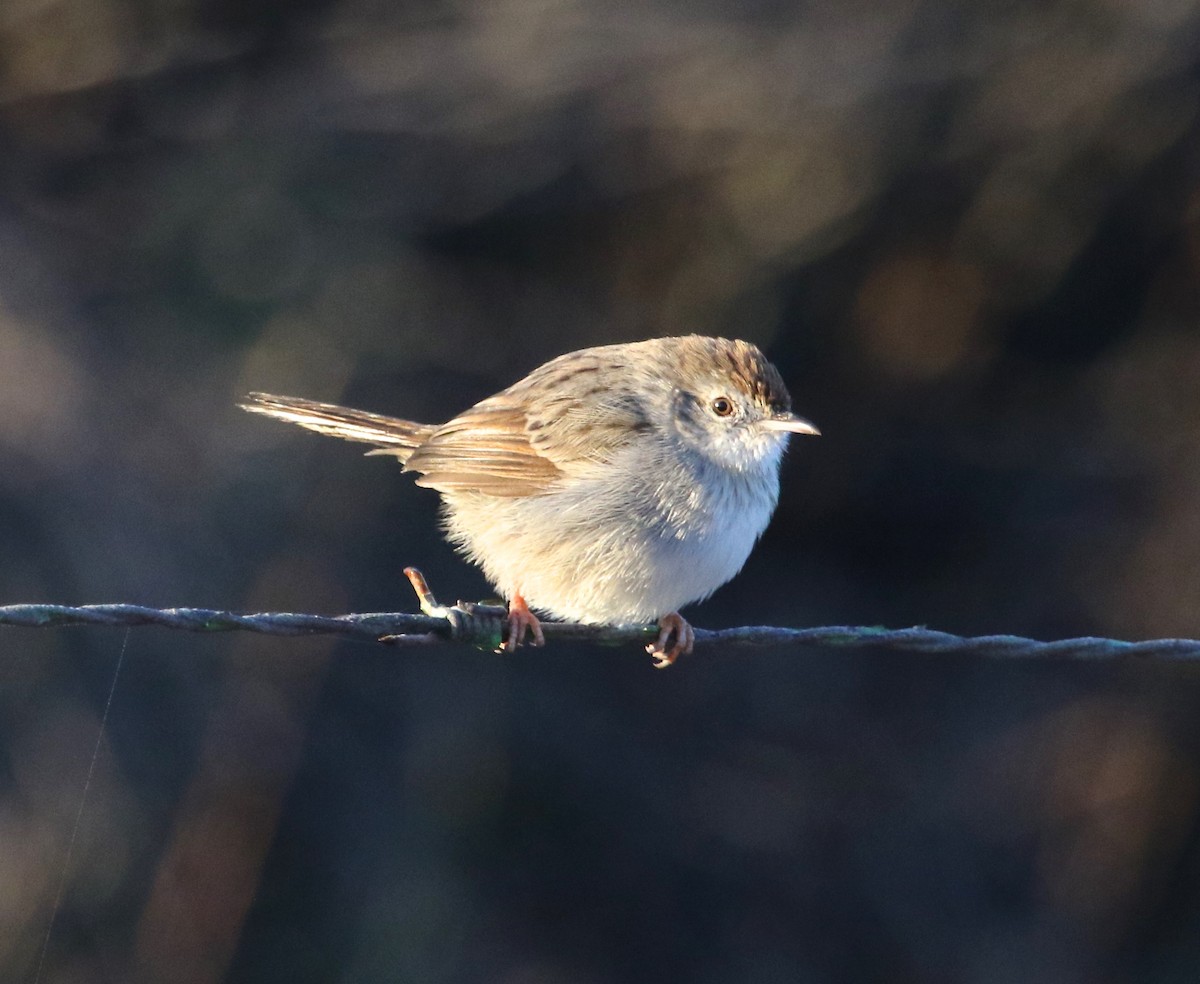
(791, 423)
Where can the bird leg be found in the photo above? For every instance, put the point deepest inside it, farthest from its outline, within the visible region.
(520, 621)
(675, 638)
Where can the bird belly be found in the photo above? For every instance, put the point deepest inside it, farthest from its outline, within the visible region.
(591, 554)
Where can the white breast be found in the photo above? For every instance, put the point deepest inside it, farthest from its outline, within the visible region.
(601, 550)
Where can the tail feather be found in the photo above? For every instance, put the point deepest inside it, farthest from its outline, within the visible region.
(390, 435)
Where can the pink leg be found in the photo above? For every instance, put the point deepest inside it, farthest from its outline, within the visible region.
(520, 621)
(675, 639)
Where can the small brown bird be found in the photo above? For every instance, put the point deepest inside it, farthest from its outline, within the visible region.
(613, 484)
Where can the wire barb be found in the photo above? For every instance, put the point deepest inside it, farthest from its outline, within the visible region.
(478, 625)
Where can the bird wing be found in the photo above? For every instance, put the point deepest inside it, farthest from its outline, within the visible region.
(522, 441)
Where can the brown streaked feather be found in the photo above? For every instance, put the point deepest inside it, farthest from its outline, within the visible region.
(484, 449)
(390, 435)
(520, 442)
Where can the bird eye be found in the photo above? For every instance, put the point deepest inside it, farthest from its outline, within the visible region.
(722, 406)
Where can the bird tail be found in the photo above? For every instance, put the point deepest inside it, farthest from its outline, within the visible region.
(390, 435)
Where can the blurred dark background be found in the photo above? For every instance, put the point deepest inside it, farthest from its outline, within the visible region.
(968, 234)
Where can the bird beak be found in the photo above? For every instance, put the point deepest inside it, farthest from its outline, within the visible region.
(790, 423)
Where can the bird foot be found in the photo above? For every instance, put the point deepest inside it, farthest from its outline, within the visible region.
(675, 638)
(520, 621)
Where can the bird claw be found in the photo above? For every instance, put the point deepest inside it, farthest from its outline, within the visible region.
(675, 638)
(521, 621)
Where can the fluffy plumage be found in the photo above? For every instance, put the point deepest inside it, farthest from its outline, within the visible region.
(611, 484)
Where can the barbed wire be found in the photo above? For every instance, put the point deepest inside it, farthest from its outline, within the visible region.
(482, 625)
